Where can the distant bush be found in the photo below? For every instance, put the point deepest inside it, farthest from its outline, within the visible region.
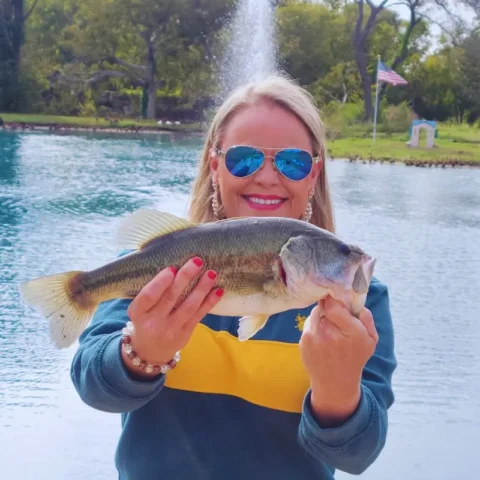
(396, 118)
(87, 105)
(29, 93)
(341, 119)
(38, 96)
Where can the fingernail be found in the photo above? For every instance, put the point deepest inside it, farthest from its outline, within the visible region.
(219, 292)
(198, 261)
(212, 275)
(173, 270)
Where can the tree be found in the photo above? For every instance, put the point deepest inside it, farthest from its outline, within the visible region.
(364, 28)
(474, 5)
(362, 32)
(470, 70)
(157, 32)
(444, 85)
(340, 85)
(79, 54)
(311, 40)
(12, 20)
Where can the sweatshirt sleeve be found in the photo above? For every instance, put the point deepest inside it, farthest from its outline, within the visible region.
(98, 372)
(354, 446)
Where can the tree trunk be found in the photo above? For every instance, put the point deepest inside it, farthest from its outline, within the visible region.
(12, 20)
(152, 101)
(151, 80)
(399, 59)
(11, 39)
(361, 59)
(360, 48)
(17, 36)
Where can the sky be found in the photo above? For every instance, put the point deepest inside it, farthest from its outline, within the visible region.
(434, 12)
(439, 15)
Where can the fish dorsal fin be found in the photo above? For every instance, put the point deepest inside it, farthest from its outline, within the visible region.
(145, 224)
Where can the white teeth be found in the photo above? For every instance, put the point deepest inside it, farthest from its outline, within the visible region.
(264, 202)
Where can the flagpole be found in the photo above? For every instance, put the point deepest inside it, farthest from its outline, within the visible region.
(376, 105)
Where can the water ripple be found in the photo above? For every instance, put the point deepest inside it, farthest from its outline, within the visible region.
(61, 197)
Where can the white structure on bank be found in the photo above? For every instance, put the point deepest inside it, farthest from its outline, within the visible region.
(417, 125)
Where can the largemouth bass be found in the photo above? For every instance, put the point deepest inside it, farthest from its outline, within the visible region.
(265, 266)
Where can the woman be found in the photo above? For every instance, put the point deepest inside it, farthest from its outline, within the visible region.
(298, 400)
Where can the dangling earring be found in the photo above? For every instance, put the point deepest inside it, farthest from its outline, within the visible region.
(308, 210)
(215, 205)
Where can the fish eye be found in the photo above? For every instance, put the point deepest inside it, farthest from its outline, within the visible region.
(345, 249)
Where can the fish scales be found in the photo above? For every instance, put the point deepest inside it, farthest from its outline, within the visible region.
(264, 265)
(241, 257)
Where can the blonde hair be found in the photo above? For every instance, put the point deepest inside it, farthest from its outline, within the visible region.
(281, 91)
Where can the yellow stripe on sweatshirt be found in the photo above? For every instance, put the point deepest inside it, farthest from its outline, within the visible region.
(266, 373)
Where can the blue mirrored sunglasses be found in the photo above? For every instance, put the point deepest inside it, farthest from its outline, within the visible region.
(243, 161)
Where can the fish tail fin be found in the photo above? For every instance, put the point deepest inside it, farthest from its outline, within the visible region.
(58, 298)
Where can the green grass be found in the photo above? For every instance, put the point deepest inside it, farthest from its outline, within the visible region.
(460, 133)
(456, 143)
(92, 122)
(395, 149)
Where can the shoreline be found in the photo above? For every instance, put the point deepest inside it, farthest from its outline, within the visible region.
(63, 127)
(409, 162)
(173, 129)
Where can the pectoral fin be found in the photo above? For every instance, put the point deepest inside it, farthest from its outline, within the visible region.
(360, 284)
(249, 326)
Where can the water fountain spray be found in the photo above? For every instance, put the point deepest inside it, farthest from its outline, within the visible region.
(251, 54)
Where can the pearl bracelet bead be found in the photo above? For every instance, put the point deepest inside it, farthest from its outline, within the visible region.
(137, 361)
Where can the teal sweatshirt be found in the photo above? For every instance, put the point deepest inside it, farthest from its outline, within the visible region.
(233, 410)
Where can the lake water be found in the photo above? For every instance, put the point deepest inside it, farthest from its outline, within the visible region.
(60, 201)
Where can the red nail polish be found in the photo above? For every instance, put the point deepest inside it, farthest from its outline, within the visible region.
(212, 275)
(219, 292)
(173, 270)
(198, 261)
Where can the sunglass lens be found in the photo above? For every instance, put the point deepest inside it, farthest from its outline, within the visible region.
(293, 163)
(243, 161)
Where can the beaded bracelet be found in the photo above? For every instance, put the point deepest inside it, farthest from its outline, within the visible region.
(137, 361)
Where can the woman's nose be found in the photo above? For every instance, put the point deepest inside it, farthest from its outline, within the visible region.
(268, 173)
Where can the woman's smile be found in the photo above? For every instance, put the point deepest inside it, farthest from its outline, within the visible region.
(258, 201)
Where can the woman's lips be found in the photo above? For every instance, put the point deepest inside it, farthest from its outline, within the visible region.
(264, 202)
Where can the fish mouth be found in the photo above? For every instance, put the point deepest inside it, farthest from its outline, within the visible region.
(363, 275)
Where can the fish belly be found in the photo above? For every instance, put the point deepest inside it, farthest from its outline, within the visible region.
(256, 304)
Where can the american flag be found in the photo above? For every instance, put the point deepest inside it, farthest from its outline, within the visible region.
(387, 75)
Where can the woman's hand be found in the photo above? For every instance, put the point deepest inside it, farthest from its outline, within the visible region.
(335, 346)
(161, 326)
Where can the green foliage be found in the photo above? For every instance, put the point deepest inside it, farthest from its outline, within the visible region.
(341, 120)
(32, 85)
(388, 148)
(89, 57)
(442, 85)
(342, 84)
(397, 118)
(470, 71)
(312, 40)
(87, 104)
(9, 90)
(85, 48)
